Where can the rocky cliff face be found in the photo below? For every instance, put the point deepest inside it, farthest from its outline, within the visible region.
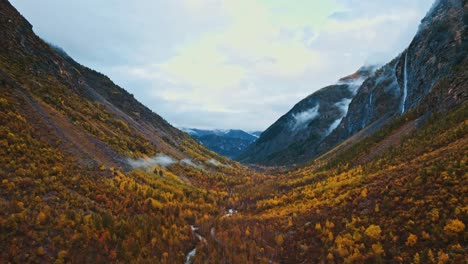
(307, 123)
(436, 55)
(400, 86)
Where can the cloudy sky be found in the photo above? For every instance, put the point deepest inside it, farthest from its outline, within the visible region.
(226, 63)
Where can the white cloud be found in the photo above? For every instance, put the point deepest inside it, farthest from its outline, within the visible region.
(343, 105)
(333, 126)
(189, 162)
(214, 162)
(251, 38)
(203, 65)
(302, 119)
(158, 160)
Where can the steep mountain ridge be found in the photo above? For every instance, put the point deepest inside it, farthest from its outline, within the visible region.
(71, 98)
(307, 123)
(439, 47)
(88, 174)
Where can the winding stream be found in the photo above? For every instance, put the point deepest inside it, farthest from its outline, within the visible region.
(191, 255)
(193, 252)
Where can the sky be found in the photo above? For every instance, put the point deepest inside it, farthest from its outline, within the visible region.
(226, 63)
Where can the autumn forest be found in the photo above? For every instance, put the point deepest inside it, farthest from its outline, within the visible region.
(90, 175)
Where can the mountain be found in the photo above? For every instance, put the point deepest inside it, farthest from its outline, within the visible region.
(427, 77)
(307, 123)
(424, 76)
(229, 143)
(89, 175)
(97, 121)
(229, 133)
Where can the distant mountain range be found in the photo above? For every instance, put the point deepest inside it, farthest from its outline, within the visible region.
(226, 142)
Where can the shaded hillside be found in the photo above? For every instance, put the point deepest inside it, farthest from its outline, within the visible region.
(81, 106)
(439, 47)
(306, 124)
(68, 138)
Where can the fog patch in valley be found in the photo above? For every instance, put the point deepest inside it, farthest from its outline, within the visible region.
(189, 162)
(158, 160)
(164, 161)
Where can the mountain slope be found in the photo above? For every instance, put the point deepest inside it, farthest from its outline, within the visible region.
(407, 205)
(307, 123)
(81, 106)
(438, 48)
(69, 138)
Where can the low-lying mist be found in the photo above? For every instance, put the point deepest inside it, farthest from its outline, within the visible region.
(165, 161)
(158, 160)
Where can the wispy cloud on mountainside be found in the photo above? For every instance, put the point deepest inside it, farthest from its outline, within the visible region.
(159, 160)
(302, 119)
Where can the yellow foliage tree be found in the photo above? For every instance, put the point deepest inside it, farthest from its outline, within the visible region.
(41, 217)
(378, 249)
(279, 240)
(454, 227)
(373, 231)
(411, 240)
